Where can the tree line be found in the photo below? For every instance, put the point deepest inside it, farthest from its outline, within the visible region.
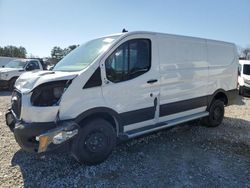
(244, 53)
(57, 53)
(13, 51)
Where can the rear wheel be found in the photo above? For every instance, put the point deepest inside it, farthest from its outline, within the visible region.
(94, 142)
(216, 114)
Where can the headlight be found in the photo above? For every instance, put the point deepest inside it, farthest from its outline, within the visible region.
(58, 91)
(48, 94)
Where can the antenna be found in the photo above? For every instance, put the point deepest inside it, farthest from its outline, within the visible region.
(124, 30)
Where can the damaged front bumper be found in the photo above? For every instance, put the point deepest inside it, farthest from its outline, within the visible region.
(41, 137)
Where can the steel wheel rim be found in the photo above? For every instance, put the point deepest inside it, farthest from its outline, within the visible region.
(96, 142)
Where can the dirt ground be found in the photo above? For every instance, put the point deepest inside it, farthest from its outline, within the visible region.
(184, 156)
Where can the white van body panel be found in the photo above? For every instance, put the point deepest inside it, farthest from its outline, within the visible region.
(70, 105)
(223, 63)
(183, 68)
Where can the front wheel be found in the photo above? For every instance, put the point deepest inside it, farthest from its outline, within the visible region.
(94, 142)
(216, 114)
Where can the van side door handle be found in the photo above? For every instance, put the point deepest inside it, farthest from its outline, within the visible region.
(152, 81)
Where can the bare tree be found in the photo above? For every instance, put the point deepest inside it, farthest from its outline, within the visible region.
(246, 53)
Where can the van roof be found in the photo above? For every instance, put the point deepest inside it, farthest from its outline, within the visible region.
(173, 35)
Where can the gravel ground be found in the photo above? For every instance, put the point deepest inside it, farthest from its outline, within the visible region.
(184, 156)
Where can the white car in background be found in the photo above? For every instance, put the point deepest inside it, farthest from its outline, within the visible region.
(10, 72)
(244, 77)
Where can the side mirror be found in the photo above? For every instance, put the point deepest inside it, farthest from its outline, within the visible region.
(29, 67)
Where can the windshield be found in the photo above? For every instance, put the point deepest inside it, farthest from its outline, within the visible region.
(82, 56)
(246, 69)
(15, 64)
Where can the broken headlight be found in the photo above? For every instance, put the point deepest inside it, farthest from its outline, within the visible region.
(58, 91)
(48, 94)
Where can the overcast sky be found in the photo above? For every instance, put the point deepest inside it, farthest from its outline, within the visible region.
(39, 25)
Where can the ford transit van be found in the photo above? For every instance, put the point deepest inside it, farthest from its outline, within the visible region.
(121, 86)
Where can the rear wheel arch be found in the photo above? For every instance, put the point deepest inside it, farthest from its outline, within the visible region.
(219, 94)
(216, 114)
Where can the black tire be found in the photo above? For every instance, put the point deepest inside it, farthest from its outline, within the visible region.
(94, 142)
(216, 114)
(11, 84)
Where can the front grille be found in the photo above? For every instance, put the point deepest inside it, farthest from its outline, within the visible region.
(16, 103)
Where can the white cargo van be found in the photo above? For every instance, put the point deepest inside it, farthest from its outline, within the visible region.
(244, 77)
(121, 86)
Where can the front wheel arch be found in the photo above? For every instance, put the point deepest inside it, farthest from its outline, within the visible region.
(101, 112)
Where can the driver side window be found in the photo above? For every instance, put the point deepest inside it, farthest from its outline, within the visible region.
(130, 60)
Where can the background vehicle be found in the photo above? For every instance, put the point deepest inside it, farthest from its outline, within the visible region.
(244, 77)
(121, 86)
(11, 71)
(5, 60)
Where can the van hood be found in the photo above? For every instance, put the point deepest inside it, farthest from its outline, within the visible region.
(6, 70)
(30, 80)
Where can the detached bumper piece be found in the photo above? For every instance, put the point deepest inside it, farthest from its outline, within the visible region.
(57, 135)
(10, 120)
(40, 137)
